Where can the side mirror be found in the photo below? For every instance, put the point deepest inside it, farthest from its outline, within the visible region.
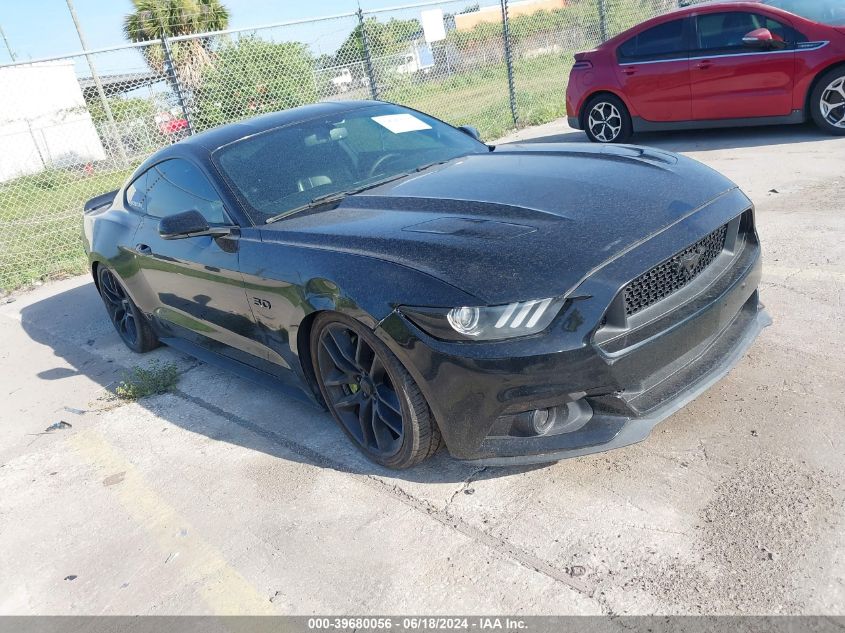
(760, 38)
(188, 224)
(472, 131)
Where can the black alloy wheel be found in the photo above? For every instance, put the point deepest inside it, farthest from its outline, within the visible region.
(124, 314)
(369, 393)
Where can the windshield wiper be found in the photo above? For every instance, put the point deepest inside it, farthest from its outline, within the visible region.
(315, 202)
(340, 195)
(435, 163)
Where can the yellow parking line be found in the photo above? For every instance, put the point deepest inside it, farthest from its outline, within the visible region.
(223, 588)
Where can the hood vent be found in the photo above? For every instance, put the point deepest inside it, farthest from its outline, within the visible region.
(471, 227)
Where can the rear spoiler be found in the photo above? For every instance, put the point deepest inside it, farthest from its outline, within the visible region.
(100, 201)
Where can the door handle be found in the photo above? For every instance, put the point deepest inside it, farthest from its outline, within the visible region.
(629, 71)
(704, 64)
(143, 249)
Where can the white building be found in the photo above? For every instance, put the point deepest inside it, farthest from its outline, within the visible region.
(44, 121)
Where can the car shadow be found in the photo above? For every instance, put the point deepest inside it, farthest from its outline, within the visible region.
(704, 140)
(74, 325)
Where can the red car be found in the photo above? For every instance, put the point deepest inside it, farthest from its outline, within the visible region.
(721, 64)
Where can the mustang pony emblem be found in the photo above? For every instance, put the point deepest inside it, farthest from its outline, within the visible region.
(688, 262)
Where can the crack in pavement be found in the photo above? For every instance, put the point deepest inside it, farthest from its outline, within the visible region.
(500, 546)
(465, 484)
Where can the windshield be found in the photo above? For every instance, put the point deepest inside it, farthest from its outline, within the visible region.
(830, 12)
(285, 168)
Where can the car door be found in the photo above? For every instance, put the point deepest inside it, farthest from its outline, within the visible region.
(653, 70)
(732, 79)
(192, 286)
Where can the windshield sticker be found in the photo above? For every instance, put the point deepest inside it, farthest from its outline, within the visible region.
(399, 123)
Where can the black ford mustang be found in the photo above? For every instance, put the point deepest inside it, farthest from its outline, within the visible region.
(521, 303)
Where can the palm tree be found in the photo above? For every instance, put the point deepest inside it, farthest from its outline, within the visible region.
(153, 19)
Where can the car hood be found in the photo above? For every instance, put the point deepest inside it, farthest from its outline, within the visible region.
(520, 222)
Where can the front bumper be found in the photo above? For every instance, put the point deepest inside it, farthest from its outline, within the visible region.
(631, 381)
(719, 361)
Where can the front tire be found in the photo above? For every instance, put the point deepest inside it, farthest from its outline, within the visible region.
(606, 120)
(827, 103)
(129, 322)
(370, 394)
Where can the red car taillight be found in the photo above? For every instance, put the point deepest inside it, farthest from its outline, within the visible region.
(582, 65)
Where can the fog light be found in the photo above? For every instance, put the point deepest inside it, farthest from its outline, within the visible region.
(565, 418)
(542, 420)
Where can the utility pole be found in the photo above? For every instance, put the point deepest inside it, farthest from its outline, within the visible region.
(6, 42)
(98, 83)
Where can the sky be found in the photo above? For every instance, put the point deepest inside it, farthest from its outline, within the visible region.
(43, 28)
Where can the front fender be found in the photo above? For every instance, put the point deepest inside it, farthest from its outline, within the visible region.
(298, 281)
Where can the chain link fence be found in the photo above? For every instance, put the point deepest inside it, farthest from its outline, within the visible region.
(74, 127)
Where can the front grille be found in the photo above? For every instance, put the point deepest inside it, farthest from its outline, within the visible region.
(675, 273)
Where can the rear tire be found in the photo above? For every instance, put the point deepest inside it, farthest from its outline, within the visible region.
(827, 102)
(606, 119)
(129, 322)
(370, 394)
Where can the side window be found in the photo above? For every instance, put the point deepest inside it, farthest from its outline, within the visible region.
(175, 186)
(136, 193)
(664, 41)
(723, 32)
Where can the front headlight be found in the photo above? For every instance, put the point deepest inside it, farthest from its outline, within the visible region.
(487, 323)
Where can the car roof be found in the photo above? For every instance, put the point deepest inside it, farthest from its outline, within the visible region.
(719, 4)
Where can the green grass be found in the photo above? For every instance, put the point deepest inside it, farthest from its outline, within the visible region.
(140, 382)
(541, 88)
(41, 223)
(480, 97)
